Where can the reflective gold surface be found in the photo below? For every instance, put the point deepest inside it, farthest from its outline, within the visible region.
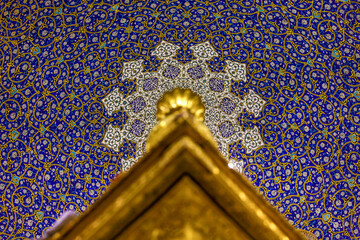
(173, 106)
(184, 212)
(308, 235)
(180, 99)
(182, 188)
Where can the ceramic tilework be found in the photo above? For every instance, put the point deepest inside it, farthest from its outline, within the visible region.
(60, 59)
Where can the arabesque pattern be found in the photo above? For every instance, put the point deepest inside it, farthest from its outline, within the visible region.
(59, 59)
(221, 106)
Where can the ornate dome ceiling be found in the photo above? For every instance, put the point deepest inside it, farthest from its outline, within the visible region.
(280, 80)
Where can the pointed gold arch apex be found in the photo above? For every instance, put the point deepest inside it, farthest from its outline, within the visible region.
(174, 105)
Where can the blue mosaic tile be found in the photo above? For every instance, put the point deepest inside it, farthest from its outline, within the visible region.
(138, 128)
(217, 85)
(226, 129)
(59, 59)
(227, 105)
(138, 104)
(171, 72)
(150, 84)
(196, 72)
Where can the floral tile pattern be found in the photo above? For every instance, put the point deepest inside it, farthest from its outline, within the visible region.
(221, 106)
(77, 79)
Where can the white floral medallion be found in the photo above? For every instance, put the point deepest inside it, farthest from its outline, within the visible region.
(222, 108)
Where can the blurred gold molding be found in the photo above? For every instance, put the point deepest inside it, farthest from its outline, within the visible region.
(308, 235)
(181, 188)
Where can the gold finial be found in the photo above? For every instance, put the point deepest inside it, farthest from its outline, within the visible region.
(179, 99)
(174, 105)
